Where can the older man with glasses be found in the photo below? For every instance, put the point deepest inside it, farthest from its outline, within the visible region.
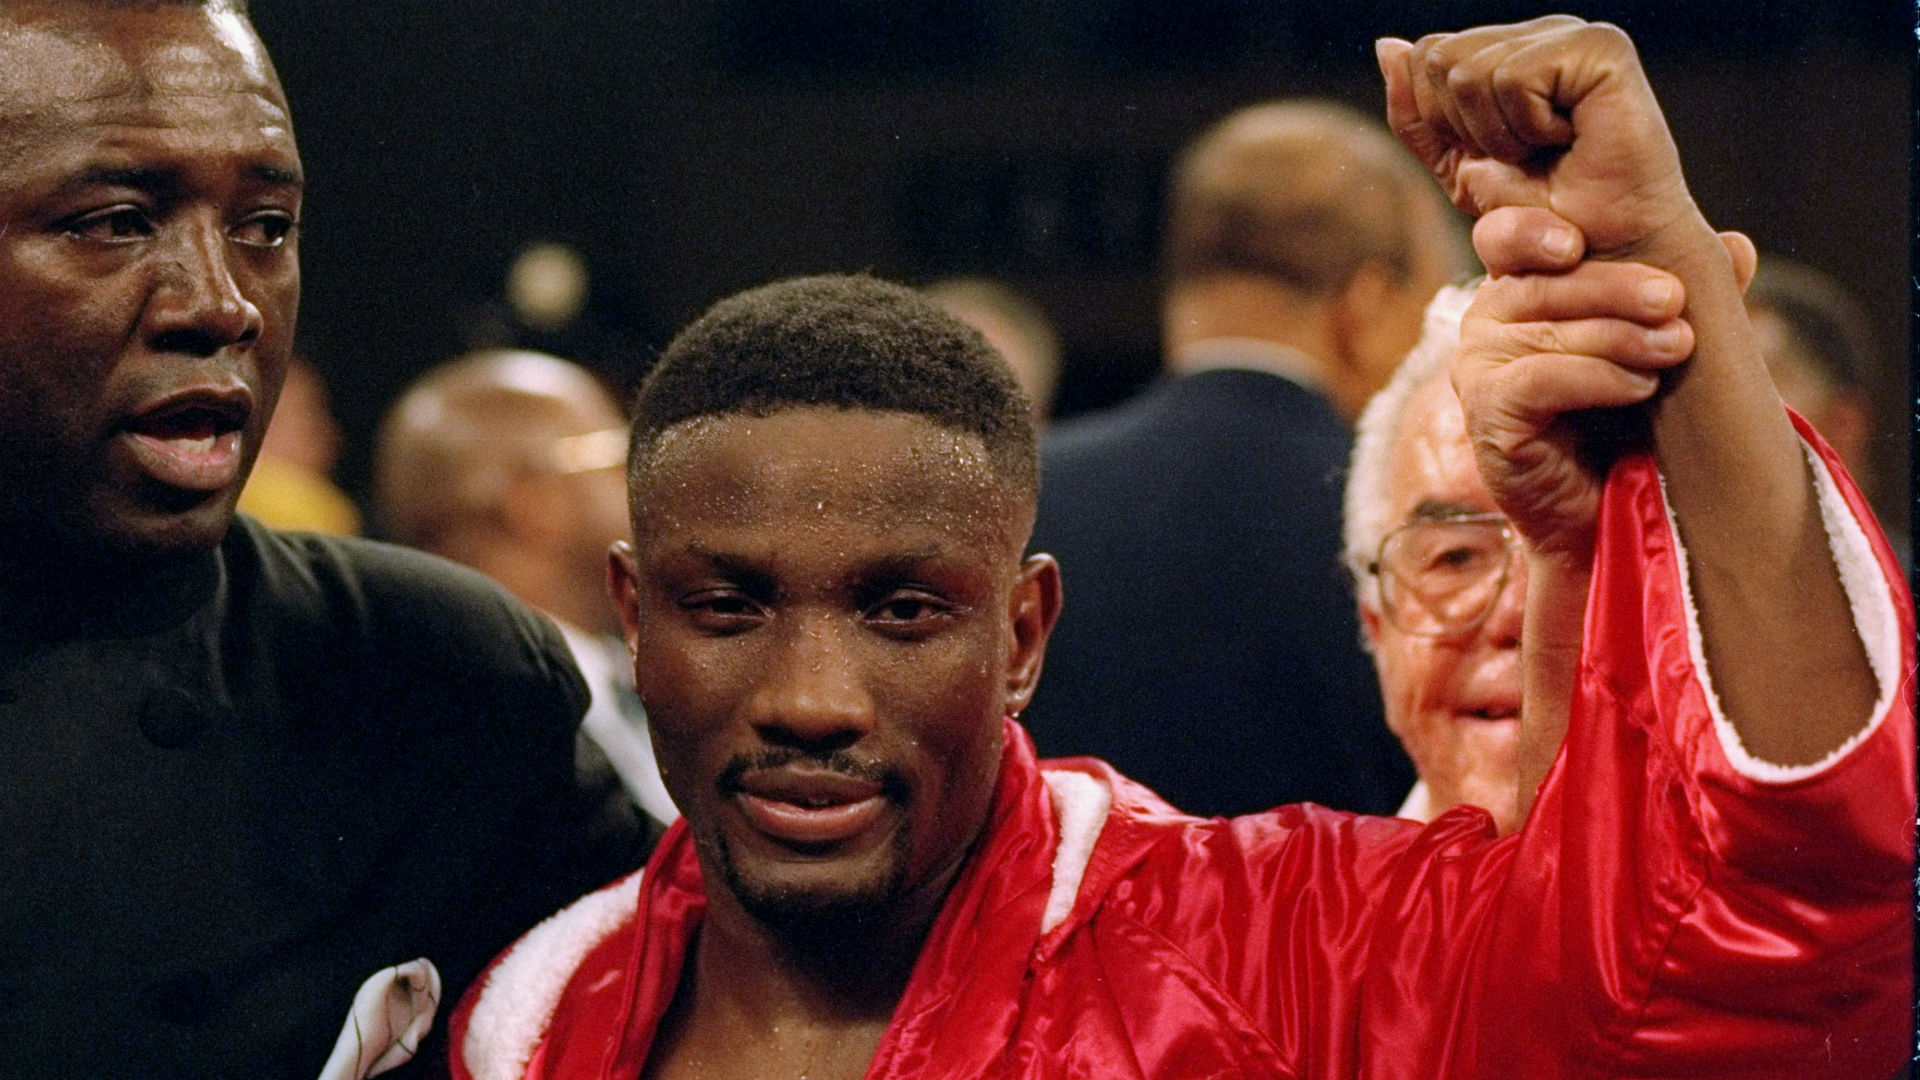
(1436, 569)
(1441, 584)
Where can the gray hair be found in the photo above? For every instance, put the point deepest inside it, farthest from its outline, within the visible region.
(1366, 515)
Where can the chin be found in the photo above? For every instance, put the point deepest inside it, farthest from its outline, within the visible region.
(127, 539)
(822, 906)
(1500, 801)
(174, 534)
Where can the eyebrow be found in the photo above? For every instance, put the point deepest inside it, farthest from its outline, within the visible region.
(719, 560)
(163, 182)
(277, 176)
(138, 177)
(1436, 509)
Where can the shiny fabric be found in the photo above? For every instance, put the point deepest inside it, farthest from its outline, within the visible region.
(1661, 914)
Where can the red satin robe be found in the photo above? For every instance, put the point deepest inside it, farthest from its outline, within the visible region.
(1665, 912)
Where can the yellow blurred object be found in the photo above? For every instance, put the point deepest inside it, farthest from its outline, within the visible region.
(286, 496)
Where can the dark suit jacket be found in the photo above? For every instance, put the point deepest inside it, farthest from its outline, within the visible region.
(1209, 645)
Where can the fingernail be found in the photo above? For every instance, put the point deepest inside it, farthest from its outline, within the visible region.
(1665, 339)
(1560, 243)
(1658, 294)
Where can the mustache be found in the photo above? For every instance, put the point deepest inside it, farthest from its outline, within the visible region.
(892, 783)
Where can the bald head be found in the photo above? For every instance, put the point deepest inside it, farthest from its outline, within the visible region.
(1306, 224)
(1303, 192)
(510, 462)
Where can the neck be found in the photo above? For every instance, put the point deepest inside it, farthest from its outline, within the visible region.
(753, 1004)
(1243, 306)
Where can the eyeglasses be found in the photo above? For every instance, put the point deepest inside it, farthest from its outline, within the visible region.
(1440, 577)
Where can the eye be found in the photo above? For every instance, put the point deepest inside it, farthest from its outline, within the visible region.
(1458, 557)
(113, 225)
(721, 611)
(908, 614)
(267, 229)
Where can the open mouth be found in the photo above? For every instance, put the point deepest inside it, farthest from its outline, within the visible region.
(192, 444)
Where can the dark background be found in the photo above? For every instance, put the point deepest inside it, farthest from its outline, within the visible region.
(691, 149)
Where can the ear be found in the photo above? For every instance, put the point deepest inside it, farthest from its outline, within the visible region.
(1746, 258)
(1356, 311)
(623, 585)
(1031, 611)
(1371, 321)
(1370, 626)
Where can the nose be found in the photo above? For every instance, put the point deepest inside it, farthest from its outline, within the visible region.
(197, 306)
(811, 695)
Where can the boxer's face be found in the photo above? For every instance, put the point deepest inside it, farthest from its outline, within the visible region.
(830, 616)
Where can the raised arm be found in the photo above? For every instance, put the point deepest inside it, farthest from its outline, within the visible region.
(1557, 114)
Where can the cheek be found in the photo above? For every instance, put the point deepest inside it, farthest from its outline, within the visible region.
(1416, 680)
(1411, 674)
(684, 681)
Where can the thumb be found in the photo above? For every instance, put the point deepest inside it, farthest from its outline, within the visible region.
(1403, 108)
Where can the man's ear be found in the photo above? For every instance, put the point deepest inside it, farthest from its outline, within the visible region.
(623, 585)
(1355, 311)
(1370, 626)
(1746, 258)
(1031, 610)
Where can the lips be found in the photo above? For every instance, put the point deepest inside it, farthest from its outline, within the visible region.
(192, 440)
(809, 807)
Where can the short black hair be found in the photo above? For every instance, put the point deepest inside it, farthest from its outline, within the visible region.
(847, 341)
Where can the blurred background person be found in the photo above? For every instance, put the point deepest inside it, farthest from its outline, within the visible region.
(512, 463)
(292, 486)
(1817, 342)
(1017, 329)
(1207, 646)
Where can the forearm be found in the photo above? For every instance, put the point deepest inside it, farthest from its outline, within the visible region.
(1775, 623)
(1550, 647)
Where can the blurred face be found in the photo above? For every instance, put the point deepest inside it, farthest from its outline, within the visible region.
(149, 188)
(830, 619)
(1453, 701)
(590, 513)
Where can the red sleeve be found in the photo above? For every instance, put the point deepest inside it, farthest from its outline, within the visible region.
(1673, 907)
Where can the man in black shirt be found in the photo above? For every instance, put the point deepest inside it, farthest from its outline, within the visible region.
(243, 774)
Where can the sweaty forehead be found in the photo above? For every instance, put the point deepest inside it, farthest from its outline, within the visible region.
(836, 466)
(57, 57)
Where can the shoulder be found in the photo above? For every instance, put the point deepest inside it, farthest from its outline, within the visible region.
(408, 621)
(1161, 853)
(505, 1016)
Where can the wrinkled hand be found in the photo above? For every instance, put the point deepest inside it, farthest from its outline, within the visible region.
(1550, 337)
(1554, 113)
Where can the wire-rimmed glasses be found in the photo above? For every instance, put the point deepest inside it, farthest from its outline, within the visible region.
(1441, 576)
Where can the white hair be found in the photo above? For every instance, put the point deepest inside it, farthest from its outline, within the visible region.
(1366, 515)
